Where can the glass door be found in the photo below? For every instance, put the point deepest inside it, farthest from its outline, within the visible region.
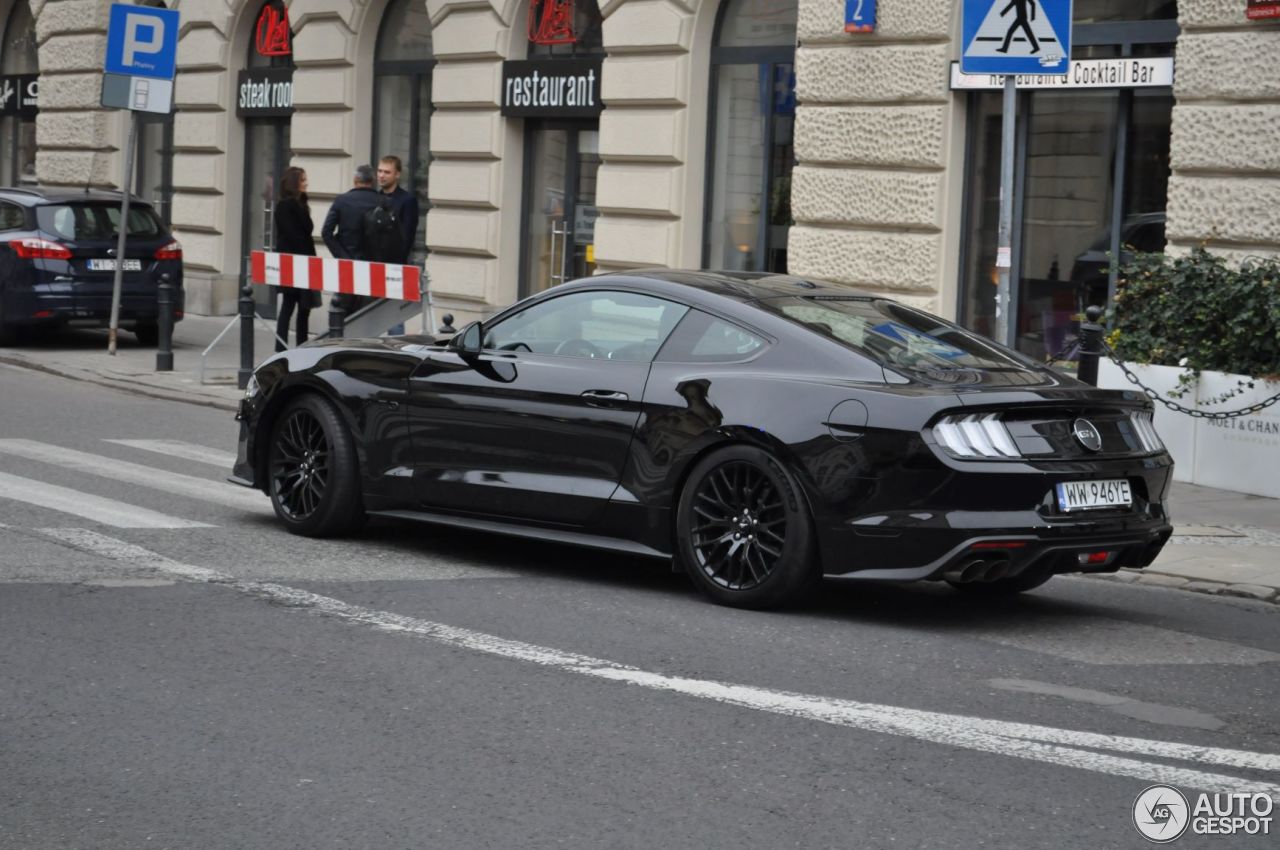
(154, 168)
(561, 163)
(266, 157)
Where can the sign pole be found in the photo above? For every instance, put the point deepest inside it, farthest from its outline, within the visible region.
(124, 229)
(1004, 248)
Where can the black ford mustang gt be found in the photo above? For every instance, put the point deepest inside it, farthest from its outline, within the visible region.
(762, 430)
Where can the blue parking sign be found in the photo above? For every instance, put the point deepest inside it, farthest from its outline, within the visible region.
(1016, 37)
(142, 41)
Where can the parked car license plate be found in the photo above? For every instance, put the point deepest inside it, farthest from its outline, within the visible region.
(1086, 495)
(110, 265)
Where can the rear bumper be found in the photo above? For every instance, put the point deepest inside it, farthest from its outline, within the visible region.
(1018, 549)
(66, 305)
(1009, 512)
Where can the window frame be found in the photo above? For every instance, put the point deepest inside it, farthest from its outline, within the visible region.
(487, 329)
(679, 344)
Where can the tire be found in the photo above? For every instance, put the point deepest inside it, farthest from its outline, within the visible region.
(313, 477)
(8, 333)
(745, 491)
(148, 335)
(1028, 579)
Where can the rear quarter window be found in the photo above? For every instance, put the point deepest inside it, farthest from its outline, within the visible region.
(12, 217)
(77, 222)
(703, 338)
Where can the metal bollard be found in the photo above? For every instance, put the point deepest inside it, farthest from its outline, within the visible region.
(164, 302)
(447, 327)
(1090, 346)
(246, 336)
(337, 317)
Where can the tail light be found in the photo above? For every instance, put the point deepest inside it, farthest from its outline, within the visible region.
(40, 249)
(1146, 431)
(976, 436)
(172, 251)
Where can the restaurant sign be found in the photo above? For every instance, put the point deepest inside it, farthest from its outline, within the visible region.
(265, 93)
(20, 95)
(551, 88)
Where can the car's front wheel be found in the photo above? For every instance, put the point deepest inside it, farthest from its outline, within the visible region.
(312, 471)
(743, 530)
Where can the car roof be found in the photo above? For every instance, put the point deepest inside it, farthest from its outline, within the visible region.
(33, 196)
(737, 285)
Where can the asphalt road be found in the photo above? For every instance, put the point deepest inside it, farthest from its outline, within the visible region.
(179, 672)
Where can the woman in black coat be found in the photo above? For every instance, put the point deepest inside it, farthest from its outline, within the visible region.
(293, 236)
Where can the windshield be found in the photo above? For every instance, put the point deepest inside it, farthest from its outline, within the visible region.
(895, 335)
(78, 222)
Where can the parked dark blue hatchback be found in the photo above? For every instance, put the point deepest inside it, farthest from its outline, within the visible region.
(58, 260)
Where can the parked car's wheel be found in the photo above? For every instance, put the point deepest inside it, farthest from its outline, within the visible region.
(743, 530)
(313, 475)
(1028, 579)
(147, 334)
(8, 333)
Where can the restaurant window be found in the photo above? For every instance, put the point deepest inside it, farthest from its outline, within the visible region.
(561, 141)
(402, 67)
(18, 80)
(751, 136)
(267, 112)
(1091, 179)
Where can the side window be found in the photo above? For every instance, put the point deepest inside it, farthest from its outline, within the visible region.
(12, 217)
(702, 338)
(605, 325)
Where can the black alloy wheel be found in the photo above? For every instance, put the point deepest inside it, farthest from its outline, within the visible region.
(312, 475)
(744, 530)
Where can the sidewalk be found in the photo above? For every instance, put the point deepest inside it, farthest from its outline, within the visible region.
(1224, 542)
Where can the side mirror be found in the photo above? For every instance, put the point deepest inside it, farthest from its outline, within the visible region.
(470, 340)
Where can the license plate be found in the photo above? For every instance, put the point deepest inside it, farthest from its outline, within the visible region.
(1088, 495)
(110, 265)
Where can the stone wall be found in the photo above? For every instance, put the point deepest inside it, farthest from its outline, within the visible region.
(1224, 192)
(875, 144)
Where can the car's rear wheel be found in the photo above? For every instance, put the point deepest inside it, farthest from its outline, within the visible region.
(313, 475)
(8, 333)
(147, 334)
(1028, 579)
(743, 530)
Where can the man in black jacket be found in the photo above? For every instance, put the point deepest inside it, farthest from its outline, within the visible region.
(343, 228)
(404, 202)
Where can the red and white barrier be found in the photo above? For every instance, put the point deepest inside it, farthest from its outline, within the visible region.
(350, 277)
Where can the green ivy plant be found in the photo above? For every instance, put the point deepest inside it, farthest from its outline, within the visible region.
(1198, 312)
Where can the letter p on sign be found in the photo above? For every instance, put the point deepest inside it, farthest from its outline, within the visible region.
(142, 34)
(142, 41)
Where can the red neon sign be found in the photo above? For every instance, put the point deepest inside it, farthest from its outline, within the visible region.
(272, 33)
(551, 22)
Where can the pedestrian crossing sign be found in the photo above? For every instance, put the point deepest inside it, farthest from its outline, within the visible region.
(1016, 37)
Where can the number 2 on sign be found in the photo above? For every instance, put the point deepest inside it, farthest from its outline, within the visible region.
(860, 16)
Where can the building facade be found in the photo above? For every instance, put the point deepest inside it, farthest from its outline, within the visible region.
(550, 139)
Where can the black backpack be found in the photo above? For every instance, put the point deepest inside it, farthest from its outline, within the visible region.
(383, 240)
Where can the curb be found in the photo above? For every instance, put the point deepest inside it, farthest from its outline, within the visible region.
(147, 390)
(1255, 592)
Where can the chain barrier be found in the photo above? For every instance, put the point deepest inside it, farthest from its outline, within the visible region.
(1190, 411)
(1072, 347)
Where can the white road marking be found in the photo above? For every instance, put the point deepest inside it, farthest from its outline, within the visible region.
(1105, 640)
(185, 451)
(217, 492)
(1063, 747)
(68, 501)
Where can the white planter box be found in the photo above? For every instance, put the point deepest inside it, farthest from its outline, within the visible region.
(1240, 454)
(1177, 430)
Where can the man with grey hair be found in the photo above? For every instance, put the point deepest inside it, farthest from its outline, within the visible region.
(343, 228)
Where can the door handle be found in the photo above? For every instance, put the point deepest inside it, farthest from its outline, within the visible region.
(604, 398)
